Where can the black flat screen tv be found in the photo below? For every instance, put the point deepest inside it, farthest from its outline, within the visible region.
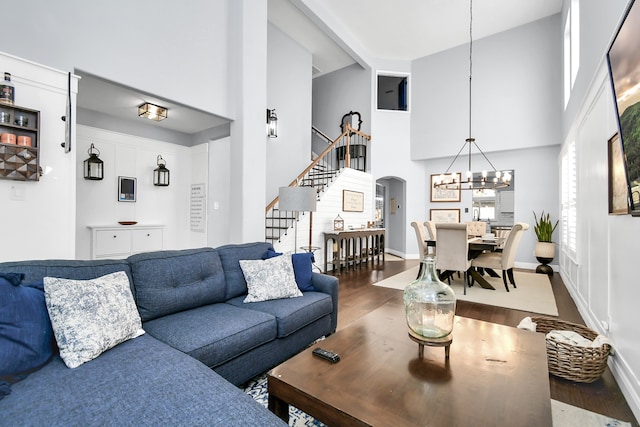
(623, 59)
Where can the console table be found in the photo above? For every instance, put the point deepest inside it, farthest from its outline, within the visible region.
(343, 249)
(120, 241)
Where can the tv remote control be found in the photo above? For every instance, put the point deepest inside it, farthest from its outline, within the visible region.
(326, 354)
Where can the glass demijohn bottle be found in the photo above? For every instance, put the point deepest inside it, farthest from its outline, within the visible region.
(430, 304)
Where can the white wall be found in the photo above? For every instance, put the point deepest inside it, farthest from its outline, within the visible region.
(289, 92)
(126, 155)
(178, 53)
(39, 217)
(337, 93)
(602, 279)
(516, 93)
(219, 205)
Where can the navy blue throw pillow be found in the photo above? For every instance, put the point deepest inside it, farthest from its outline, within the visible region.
(271, 254)
(26, 337)
(302, 268)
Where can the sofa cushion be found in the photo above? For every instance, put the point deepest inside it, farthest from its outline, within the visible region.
(37, 270)
(269, 279)
(91, 316)
(142, 382)
(302, 268)
(26, 337)
(294, 313)
(214, 333)
(230, 255)
(167, 282)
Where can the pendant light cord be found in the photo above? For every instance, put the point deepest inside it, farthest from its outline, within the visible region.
(470, 58)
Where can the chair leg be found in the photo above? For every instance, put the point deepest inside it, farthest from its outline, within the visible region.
(511, 279)
(466, 278)
(504, 279)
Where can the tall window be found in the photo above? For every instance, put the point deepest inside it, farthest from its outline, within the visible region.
(571, 48)
(569, 177)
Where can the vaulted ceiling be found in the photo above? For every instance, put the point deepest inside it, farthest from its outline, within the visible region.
(398, 29)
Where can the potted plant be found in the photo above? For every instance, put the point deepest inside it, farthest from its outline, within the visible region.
(545, 248)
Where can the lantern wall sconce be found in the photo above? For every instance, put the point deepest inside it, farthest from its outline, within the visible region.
(161, 173)
(272, 123)
(152, 111)
(93, 166)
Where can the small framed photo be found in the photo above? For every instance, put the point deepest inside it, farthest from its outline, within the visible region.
(352, 201)
(444, 215)
(127, 188)
(618, 188)
(444, 194)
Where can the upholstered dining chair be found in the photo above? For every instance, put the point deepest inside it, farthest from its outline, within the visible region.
(431, 228)
(477, 228)
(504, 260)
(421, 236)
(453, 249)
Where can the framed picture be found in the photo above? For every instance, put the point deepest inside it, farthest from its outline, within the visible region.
(352, 201)
(444, 194)
(127, 188)
(618, 189)
(444, 215)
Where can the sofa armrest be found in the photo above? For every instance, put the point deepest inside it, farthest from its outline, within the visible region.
(328, 285)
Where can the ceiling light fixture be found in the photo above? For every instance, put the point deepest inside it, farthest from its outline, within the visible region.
(450, 181)
(152, 111)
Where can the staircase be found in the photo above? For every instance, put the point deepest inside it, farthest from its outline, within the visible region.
(319, 174)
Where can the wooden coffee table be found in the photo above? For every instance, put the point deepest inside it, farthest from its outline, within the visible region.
(496, 375)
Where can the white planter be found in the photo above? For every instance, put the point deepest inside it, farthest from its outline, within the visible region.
(545, 250)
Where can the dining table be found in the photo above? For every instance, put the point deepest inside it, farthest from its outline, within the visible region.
(477, 245)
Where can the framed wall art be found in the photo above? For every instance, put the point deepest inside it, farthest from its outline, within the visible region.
(352, 201)
(127, 188)
(618, 188)
(443, 194)
(444, 215)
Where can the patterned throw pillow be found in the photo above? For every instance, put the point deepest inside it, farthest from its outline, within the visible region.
(269, 279)
(91, 316)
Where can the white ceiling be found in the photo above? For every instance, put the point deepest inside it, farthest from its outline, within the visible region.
(398, 29)
(121, 102)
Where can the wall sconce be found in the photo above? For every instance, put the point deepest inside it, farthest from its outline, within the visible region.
(161, 173)
(93, 166)
(272, 123)
(153, 112)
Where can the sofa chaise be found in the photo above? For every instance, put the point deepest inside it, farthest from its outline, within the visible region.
(201, 340)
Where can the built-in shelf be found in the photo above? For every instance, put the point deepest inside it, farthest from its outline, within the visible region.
(20, 162)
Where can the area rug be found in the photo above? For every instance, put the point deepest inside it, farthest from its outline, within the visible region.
(563, 415)
(534, 292)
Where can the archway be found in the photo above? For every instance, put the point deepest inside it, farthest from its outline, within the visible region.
(391, 212)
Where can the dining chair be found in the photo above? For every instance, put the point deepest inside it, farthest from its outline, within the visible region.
(477, 228)
(431, 228)
(504, 260)
(421, 236)
(453, 249)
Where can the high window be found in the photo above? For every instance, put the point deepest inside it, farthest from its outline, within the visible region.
(571, 48)
(393, 92)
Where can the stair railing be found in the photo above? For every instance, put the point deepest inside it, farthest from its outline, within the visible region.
(347, 150)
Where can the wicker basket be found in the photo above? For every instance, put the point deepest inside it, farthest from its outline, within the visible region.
(581, 364)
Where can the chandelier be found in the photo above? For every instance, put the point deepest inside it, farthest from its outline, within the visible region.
(480, 181)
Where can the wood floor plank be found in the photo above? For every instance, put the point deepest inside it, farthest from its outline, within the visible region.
(358, 297)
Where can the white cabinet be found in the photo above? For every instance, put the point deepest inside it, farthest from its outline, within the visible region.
(125, 240)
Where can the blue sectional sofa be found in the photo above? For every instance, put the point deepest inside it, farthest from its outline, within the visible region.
(201, 342)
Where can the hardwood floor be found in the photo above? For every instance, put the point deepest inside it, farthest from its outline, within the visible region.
(358, 297)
